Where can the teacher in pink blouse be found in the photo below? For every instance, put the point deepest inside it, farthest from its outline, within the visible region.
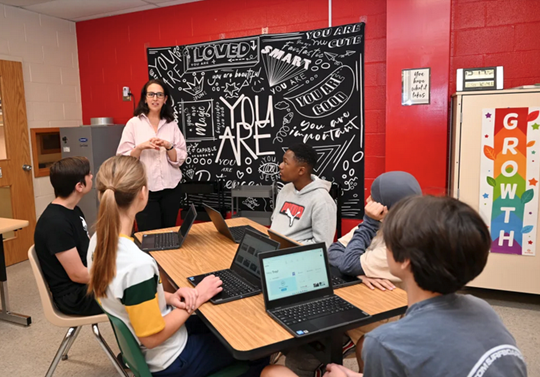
(153, 136)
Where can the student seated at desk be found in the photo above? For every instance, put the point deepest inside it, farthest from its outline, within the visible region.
(126, 281)
(362, 252)
(61, 238)
(304, 211)
(436, 245)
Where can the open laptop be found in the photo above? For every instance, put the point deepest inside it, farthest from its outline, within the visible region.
(243, 278)
(339, 280)
(298, 294)
(169, 240)
(235, 233)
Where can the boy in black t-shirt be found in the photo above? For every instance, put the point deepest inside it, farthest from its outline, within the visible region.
(61, 238)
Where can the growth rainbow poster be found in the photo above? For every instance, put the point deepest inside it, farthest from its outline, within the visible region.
(509, 178)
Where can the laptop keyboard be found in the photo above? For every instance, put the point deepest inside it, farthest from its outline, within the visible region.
(166, 240)
(312, 310)
(232, 284)
(337, 281)
(238, 231)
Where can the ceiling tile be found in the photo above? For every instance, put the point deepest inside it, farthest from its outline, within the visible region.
(23, 3)
(80, 10)
(123, 11)
(76, 9)
(167, 3)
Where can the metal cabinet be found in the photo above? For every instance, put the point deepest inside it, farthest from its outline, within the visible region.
(475, 183)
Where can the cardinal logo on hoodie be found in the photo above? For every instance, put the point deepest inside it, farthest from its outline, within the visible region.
(292, 211)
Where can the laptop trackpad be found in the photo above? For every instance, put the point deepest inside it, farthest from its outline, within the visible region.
(338, 318)
(325, 322)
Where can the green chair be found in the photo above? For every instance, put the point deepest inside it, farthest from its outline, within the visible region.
(134, 358)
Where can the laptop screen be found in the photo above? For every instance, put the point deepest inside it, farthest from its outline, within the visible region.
(295, 273)
(247, 256)
(188, 221)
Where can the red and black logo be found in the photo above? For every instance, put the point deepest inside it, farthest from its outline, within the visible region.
(292, 211)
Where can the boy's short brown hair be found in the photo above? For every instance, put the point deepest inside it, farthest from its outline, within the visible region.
(445, 240)
(66, 173)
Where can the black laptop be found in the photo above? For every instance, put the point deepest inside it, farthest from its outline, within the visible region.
(169, 240)
(339, 280)
(235, 233)
(243, 278)
(298, 294)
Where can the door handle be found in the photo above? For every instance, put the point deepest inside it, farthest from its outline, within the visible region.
(27, 167)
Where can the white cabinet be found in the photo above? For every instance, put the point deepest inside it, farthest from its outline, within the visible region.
(509, 272)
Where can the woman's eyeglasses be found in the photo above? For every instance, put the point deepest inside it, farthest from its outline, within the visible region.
(152, 94)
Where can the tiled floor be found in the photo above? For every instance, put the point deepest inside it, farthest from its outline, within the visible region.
(29, 351)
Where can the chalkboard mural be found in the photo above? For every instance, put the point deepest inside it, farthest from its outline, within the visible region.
(241, 102)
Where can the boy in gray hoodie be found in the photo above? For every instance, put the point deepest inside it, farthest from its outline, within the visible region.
(304, 211)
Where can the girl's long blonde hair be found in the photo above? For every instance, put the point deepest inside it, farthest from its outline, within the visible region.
(119, 180)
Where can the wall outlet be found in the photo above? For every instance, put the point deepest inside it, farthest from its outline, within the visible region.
(264, 30)
(126, 93)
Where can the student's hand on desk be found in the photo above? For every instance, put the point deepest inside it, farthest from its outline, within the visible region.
(373, 283)
(375, 210)
(187, 298)
(335, 370)
(208, 288)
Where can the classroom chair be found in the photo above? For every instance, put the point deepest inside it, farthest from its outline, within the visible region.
(75, 323)
(134, 358)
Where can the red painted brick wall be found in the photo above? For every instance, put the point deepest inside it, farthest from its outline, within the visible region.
(112, 51)
(418, 36)
(497, 32)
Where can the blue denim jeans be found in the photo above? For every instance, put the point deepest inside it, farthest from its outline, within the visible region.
(204, 354)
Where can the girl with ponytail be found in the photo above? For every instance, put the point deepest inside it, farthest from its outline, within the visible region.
(126, 282)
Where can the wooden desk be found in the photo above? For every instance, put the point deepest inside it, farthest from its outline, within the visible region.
(7, 225)
(243, 325)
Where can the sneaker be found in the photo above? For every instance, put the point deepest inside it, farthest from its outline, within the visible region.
(348, 347)
(320, 371)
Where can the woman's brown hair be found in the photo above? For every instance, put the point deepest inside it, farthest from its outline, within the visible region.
(119, 180)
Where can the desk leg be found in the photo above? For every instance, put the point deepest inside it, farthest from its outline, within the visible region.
(336, 348)
(332, 350)
(5, 313)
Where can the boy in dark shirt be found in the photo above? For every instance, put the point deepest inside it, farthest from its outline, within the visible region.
(61, 238)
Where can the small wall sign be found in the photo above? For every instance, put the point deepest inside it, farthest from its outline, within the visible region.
(486, 78)
(415, 86)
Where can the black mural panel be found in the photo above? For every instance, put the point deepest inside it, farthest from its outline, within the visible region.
(241, 102)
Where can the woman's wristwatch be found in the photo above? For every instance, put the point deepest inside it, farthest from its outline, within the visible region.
(172, 146)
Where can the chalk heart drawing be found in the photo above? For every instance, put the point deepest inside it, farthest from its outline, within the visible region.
(240, 174)
(328, 96)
